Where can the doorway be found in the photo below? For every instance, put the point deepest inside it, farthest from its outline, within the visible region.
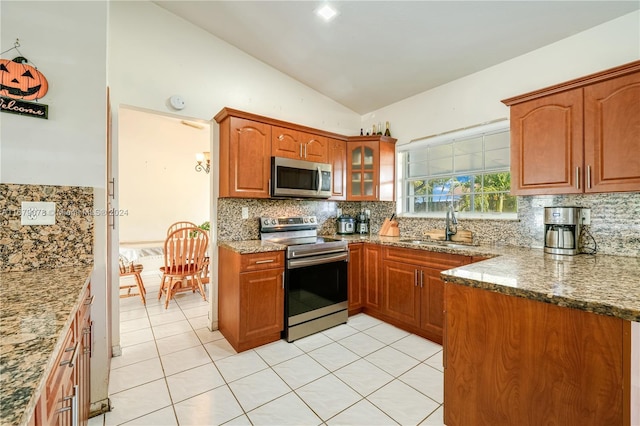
(157, 184)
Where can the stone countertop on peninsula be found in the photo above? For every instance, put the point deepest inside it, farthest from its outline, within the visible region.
(36, 310)
(607, 285)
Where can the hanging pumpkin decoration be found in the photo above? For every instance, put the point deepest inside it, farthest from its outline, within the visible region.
(19, 80)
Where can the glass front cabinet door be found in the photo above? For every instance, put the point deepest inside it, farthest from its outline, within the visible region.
(363, 171)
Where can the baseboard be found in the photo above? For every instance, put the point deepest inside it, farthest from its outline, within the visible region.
(116, 350)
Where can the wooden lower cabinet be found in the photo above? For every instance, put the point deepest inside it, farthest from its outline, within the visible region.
(412, 291)
(65, 399)
(355, 278)
(432, 302)
(514, 361)
(251, 297)
(372, 277)
(401, 292)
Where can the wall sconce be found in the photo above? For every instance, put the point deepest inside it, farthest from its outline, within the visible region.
(203, 158)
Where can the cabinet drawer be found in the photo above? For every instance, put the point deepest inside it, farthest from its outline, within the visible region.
(62, 368)
(425, 258)
(260, 261)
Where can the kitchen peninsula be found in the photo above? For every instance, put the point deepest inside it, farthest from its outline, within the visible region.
(590, 296)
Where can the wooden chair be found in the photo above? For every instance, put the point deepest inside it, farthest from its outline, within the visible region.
(128, 269)
(185, 256)
(180, 225)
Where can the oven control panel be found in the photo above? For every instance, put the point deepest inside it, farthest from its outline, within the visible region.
(272, 224)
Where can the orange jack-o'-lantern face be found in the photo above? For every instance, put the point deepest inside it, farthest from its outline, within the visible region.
(18, 80)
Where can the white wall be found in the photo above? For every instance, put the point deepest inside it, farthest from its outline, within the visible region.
(67, 42)
(475, 99)
(157, 180)
(153, 55)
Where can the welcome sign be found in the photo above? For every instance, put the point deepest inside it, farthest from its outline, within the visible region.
(31, 109)
(21, 82)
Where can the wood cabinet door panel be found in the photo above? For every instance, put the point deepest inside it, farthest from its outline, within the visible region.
(401, 291)
(286, 143)
(314, 147)
(432, 301)
(250, 158)
(612, 134)
(363, 166)
(355, 273)
(372, 276)
(546, 145)
(514, 361)
(337, 157)
(262, 306)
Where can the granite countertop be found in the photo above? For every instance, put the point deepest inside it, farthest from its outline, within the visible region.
(36, 310)
(603, 284)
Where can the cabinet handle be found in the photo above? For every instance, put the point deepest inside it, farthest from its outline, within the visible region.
(415, 277)
(280, 137)
(305, 151)
(89, 300)
(589, 177)
(283, 280)
(377, 195)
(73, 408)
(421, 279)
(71, 362)
(578, 177)
(258, 262)
(300, 150)
(269, 189)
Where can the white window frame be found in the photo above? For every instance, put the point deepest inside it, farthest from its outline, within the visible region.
(496, 126)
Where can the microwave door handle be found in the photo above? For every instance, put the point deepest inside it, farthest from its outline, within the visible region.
(319, 180)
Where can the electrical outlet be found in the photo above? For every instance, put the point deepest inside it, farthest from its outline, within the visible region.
(585, 216)
(38, 213)
(245, 212)
(338, 212)
(367, 212)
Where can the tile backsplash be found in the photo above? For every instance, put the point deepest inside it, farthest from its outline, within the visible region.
(69, 242)
(615, 219)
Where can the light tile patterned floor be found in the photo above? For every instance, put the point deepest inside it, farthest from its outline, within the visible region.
(174, 371)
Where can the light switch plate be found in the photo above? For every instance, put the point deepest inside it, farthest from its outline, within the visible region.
(245, 212)
(38, 213)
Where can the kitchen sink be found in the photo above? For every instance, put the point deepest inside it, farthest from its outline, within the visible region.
(436, 243)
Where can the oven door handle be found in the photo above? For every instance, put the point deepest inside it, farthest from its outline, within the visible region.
(317, 260)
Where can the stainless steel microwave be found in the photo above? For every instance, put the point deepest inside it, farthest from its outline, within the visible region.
(300, 179)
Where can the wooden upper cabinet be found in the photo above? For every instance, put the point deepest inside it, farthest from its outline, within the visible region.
(546, 144)
(314, 147)
(612, 134)
(289, 143)
(371, 168)
(337, 157)
(245, 158)
(579, 136)
(285, 143)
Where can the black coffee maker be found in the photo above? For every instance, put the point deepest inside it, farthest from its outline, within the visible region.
(362, 223)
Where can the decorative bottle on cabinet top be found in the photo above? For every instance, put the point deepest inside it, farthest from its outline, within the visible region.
(387, 132)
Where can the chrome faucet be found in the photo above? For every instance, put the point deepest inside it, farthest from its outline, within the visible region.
(450, 220)
(451, 217)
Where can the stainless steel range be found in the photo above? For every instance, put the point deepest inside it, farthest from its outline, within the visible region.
(315, 275)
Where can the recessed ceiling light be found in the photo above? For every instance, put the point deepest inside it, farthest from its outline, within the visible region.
(326, 12)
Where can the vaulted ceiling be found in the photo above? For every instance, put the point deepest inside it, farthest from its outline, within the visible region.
(375, 53)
